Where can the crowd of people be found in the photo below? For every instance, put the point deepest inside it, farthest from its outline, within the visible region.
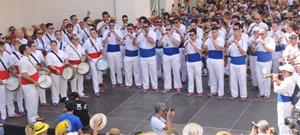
(231, 38)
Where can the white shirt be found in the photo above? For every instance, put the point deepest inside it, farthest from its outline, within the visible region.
(219, 41)
(182, 30)
(279, 34)
(234, 50)
(84, 34)
(9, 48)
(260, 25)
(167, 40)
(76, 29)
(23, 40)
(15, 58)
(190, 49)
(91, 48)
(267, 40)
(51, 58)
(105, 27)
(144, 43)
(158, 125)
(67, 36)
(6, 61)
(48, 38)
(38, 56)
(112, 39)
(128, 42)
(71, 52)
(286, 87)
(26, 66)
(41, 44)
(61, 45)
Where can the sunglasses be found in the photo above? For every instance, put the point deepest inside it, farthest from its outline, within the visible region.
(168, 29)
(125, 20)
(235, 29)
(52, 28)
(39, 33)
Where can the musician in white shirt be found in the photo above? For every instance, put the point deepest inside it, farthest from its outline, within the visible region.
(49, 35)
(57, 60)
(277, 35)
(20, 36)
(76, 55)
(61, 44)
(94, 49)
(103, 26)
(40, 41)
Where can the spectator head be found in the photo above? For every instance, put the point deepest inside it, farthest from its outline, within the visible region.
(125, 19)
(263, 32)
(74, 96)
(19, 33)
(192, 128)
(193, 34)
(262, 126)
(74, 39)
(159, 108)
(70, 105)
(53, 45)
(58, 35)
(98, 121)
(287, 70)
(114, 131)
(11, 29)
(74, 19)
(2, 47)
(293, 39)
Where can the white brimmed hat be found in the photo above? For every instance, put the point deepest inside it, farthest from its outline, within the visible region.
(102, 118)
(192, 127)
(287, 67)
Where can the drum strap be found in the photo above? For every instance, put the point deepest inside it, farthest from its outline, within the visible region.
(93, 45)
(3, 64)
(75, 51)
(48, 37)
(16, 55)
(57, 57)
(33, 64)
(86, 33)
(34, 58)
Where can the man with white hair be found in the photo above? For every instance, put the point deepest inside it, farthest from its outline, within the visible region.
(284, 87)
(20, 36)
(158, 123)
(264, 49)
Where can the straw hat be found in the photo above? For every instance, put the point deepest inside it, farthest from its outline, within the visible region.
(114, 131)
(40, 127)
(223, 133)
(192, 127)
(62, 127)
(102, 118)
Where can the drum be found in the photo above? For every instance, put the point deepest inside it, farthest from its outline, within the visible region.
(83, 68)
(45, 81)
(12, 84)
(68, 73)
(101, 64)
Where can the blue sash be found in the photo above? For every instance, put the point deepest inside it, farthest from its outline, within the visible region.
(147, 52)
(195, 57)
(282, 98)
(131, 53)
(278, 48)
(214, 54)
(113, 48)
(264, 56)
(158, 47)
(238, 60)
(171, 51)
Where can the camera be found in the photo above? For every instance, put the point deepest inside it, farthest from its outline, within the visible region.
(293, 121)
(169, 109)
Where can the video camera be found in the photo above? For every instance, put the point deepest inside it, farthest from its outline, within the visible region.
(294, 121)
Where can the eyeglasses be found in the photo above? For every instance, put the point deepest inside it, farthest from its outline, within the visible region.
(235, 29)
(125, 20)
(111, 25)
(39, 33)
(292, 38)
(158, 21)
(168, 29)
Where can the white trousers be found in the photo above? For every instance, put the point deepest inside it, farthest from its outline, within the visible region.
(238, 80)
(97, 77)
(59, 87)
(275, 61)
(77, 84)
(11, 97)
(264, 85)
(115, 65)
(159, 59)
(252, 64)
(171, 67)
(42, 92)
(284, 109)
(216, 75)
(3, 101)
(183, 68)
(149, 69)
(132, 69)
(122, 49)
(194, 70)
(31, 102)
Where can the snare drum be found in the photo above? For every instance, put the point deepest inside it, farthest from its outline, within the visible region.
(101, 64)
(45, 81)
(68, 73)
(83, 68)
(12, 84)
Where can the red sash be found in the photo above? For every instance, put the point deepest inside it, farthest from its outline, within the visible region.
(75, 62)
(35, 76)
(59, 68)
(44, 53)
(18, 70)
(94, 55)
(4, 75)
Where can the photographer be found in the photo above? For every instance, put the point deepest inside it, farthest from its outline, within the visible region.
(284, 88)
(158, 123)
(261, 128)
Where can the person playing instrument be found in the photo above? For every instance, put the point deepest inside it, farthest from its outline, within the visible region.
(76, 55)
(258, 23)
(192, 48)
(40, 41)
(56, 60)
(265, 47)
(289, 28)
(29, 84)
(4, 75)
(67, 33)
(284, 89)
(112, 38)
(49, 35)
(103, 26)
(15, 59)
(61, 44)
(215, 62)
(159, 29)
(252, 43)
(94, 49)
(171, 59)
(20, 36)
(277, 35)
(131, 59)
(237, 52)
(146, 40)
(291, 50)
(38, 59)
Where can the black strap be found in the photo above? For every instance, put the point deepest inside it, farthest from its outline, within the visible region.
(42, 43)
(3, 64)
(75, 51)
(296, 95)
(33, 64)
(86, 33)
(93, 45)
(7, 52)
(16, 55)
(58, 57)
(34, 58)
(48, 37)
(67, 35)
(60, 47)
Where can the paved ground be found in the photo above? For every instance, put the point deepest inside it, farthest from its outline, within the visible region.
(130, 110)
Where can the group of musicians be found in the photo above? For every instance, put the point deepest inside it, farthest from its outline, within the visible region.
(144, 52)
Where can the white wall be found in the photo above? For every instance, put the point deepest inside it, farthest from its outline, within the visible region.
(27, 12)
